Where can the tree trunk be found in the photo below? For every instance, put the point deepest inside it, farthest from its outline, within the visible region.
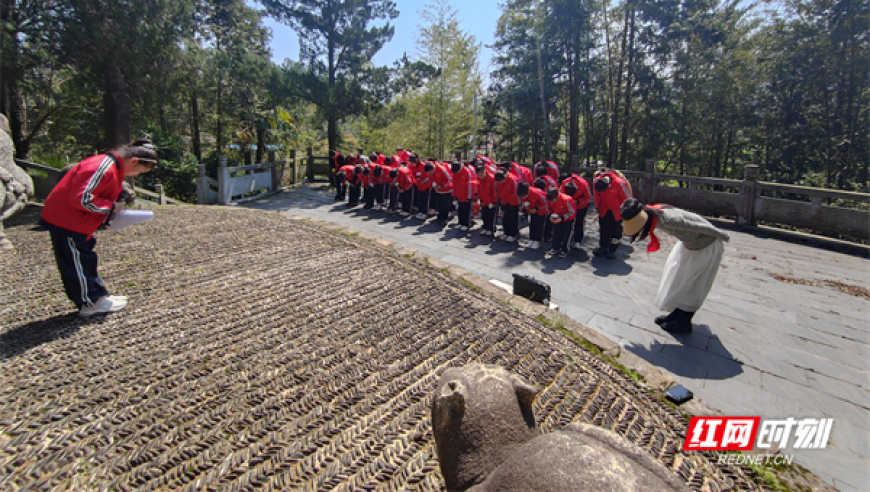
(219, 133)
(573, 117)
(194, 126)
(628, 84)
(261, 143)
(116, 103)
(613, 154)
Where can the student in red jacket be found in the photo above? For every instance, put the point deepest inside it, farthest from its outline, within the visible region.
(423, 182)
(610, 191)
(464, 179)
(562, 217)
(336, 160)
(577, 188)
(535, 202)
(79, 204)
(379, 181)
(543, 172)
(404, 183)
(344, 174)
(442, 189)
(486, 193)
(509, 202)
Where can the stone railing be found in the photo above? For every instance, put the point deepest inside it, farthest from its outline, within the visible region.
(45, 178)
(748, 203)
(230, 187)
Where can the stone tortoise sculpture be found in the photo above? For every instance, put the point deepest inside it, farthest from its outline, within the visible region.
(486, 440)
(16, 186)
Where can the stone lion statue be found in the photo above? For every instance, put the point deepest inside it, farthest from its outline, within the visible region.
(486, 440)
(16, 186)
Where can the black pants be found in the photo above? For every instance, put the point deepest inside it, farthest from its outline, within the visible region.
(368, 196)
(443, 203)
(536, 227)
(423, 200)
(353, 192)
(579, 225)
(340, 192)
(394, 197)
(380, 193)
(562, 233)
(77, 263)
(488, 216)
(611, 232)
(407, 199)
(510, 221)
(464, 214)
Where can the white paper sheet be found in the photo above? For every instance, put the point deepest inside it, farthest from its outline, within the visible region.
(126, 218)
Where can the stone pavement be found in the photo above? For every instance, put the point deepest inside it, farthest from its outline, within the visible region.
(776, 337)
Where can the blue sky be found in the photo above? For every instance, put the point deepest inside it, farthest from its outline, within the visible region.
(476, 16)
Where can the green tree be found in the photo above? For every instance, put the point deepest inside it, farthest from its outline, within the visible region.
(337, 43)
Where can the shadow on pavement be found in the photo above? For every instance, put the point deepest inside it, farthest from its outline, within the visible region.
(25, 337)
(603, 267)
(684, 359)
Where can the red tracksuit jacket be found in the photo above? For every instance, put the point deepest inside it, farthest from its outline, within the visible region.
(83, 199)
(404, 178)
(563, 206)
(612, 198)
(486, 190)
(507, 190)
(464, 184)
(442, 181)
(583, 195)
(537, 201)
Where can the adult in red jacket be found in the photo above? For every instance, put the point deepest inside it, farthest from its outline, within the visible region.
(488, 196)
(535, 202)
(509, 202)
(442, 188)
(464, 182)
(403, 182)
(610, 191)
(77, 206)
(562, 215)
(578, 189)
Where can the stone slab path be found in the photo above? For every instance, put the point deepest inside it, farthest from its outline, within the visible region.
(784, 332)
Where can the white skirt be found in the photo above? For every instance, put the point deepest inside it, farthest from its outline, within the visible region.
(688, 277)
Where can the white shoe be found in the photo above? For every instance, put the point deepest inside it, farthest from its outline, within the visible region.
(535, 245)
(404, 214)
(421, 216)
(456, 226)
(377, 207)
(463, 228)
(577, 246)
(510, 239)
(105, 304)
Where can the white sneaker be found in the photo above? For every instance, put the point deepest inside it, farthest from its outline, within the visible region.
(463, 228)
(421, 216)
(105, 304)
(535, 245)
(577, 246)
(404, 214)
(510, 239)
(456, 226)
(377, 207)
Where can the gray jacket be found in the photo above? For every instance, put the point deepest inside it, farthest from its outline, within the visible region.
(693, 230)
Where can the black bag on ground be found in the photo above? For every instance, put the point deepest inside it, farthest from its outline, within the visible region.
(531, 289)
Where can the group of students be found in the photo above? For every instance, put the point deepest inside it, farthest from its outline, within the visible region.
(555, 204)
(90, 193)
